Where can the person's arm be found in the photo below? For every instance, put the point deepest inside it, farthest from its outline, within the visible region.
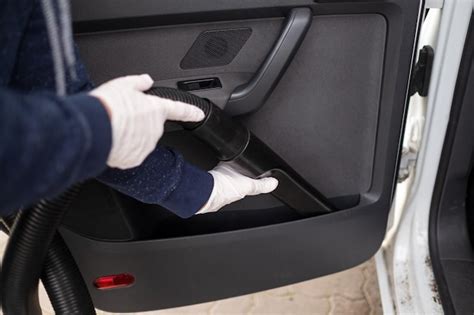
(52, 153)
(48, 143)
(166, 179)
(162, 177)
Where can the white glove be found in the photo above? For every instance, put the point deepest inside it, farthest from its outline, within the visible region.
(138, 119)
(230, 186)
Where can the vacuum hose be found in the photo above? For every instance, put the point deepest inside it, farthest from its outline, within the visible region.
(232, 142)
(36, 249)
(34, 240)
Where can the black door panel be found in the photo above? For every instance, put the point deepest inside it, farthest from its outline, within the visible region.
(335, 117)
(334, 80)
(330, 81)
(188, 270)
(159, 51)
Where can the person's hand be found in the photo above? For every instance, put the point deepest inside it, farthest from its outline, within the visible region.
(137, 119)
(230, 186)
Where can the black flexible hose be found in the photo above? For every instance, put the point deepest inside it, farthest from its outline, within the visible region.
(185, 97)
(34, 240)
(227, 137)
(61, 277)
(63, 281)
(35, 229)
(181, 96)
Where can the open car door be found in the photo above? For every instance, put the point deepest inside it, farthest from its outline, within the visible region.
(324, 84)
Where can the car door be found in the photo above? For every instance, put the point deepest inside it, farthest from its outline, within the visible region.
(322, 83)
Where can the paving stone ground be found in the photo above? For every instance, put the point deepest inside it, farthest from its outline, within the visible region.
(354, 291)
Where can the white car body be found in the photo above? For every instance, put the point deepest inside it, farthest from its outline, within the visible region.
(406, 279)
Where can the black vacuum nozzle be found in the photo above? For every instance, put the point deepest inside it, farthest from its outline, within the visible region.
(234, 143)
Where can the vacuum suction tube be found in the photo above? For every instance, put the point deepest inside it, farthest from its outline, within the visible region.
(232, 142)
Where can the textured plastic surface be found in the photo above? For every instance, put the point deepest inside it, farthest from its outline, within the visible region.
(187, 270)
(251, 96)
(451, 250)
(333, 89)
(161, 50)
(119, 14)
(257, 160)
(310, 91)
(345, 140)
(199, 84)
(215, 48)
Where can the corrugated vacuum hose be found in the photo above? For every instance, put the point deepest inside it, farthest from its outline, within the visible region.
(36, 249)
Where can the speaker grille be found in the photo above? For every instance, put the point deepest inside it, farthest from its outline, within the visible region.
(215, 48)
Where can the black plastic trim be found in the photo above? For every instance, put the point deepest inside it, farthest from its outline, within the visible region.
(111, 15)
(198, 268)
(199, 84)
(105, 15)
(187, 270)
(457, 144)
(251, 96)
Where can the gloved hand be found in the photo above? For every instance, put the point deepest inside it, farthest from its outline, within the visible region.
(230, 186)
(138, 119)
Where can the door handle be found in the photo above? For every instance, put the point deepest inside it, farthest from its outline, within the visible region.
(250, 97)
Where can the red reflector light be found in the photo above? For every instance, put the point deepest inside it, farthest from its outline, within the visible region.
(114, 281)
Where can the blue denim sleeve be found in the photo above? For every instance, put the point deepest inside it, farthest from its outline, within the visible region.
(164, 178)
(47, 143)
(52, 152)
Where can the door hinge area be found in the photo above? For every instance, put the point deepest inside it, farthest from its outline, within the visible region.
(421, 75)
(407, 163)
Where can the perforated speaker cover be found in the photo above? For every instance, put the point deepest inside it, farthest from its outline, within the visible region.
(215, 48)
